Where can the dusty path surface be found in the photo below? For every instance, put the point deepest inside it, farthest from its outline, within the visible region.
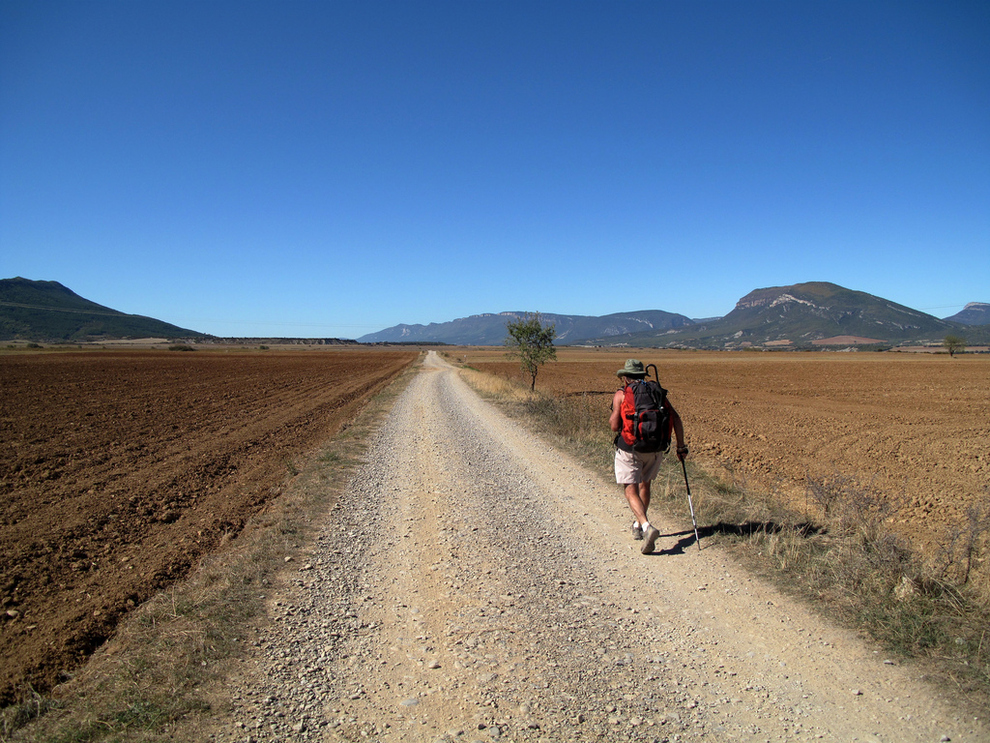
(473, 584)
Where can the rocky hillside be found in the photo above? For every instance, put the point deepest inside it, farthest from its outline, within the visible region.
(814, 314)
(975, 313)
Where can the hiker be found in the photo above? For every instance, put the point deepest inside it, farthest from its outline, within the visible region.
(635, 470)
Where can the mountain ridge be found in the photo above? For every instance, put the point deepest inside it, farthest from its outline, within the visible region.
(48, 311)
(974, 313)
(806, 315)
(810, 314)
(489, 328)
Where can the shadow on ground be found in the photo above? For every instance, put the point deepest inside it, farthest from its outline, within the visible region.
(737, 530)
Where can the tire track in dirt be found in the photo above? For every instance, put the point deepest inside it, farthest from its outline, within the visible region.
(476, 584)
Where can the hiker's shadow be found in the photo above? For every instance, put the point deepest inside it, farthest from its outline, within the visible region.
(687, 537)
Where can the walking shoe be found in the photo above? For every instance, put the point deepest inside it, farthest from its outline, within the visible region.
(650, 540)
(637, 532)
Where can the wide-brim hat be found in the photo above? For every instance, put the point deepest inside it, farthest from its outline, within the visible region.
(633, 368)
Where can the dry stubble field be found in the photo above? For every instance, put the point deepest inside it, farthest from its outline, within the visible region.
(914, 427)
(120, 469)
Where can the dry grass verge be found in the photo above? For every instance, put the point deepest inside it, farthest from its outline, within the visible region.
(839, 554)
(155, 679)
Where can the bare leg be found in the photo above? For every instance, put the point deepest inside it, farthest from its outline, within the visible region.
(635, 500)
(644, 496)
(639, 501)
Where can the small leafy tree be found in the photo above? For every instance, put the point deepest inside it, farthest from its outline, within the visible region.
(532, 343)
(954, 343)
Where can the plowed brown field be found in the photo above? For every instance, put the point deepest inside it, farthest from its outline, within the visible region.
(914, 427)
(118, 470)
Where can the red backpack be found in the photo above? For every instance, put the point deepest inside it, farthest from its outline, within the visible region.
(646, 423)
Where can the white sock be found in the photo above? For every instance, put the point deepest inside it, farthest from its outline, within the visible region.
(635, 524)
(646, 526)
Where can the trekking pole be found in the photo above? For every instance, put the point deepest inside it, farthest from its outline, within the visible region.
(697, 538)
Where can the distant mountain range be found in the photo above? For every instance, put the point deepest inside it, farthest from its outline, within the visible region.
(815, 314)
(489, 329)
(975, 313)
(809, 315)
(47, 311)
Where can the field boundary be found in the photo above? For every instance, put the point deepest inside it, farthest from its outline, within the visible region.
(163, 670)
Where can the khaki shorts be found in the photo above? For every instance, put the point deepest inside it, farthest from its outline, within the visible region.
(635, 467)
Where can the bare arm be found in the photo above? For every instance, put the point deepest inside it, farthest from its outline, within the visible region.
(615, 420)
(678, 426)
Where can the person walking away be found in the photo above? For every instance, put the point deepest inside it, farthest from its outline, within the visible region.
(635, 470)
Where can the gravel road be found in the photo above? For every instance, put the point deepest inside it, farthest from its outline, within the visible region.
(474, 584)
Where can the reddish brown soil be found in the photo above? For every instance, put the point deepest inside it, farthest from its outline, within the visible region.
(118, 470)
(913, 427)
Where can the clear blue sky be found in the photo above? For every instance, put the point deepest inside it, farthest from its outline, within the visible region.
(330, 168)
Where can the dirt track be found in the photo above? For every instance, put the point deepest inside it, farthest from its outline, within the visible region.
(118, 470)
(476, 585)
(913, 426)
